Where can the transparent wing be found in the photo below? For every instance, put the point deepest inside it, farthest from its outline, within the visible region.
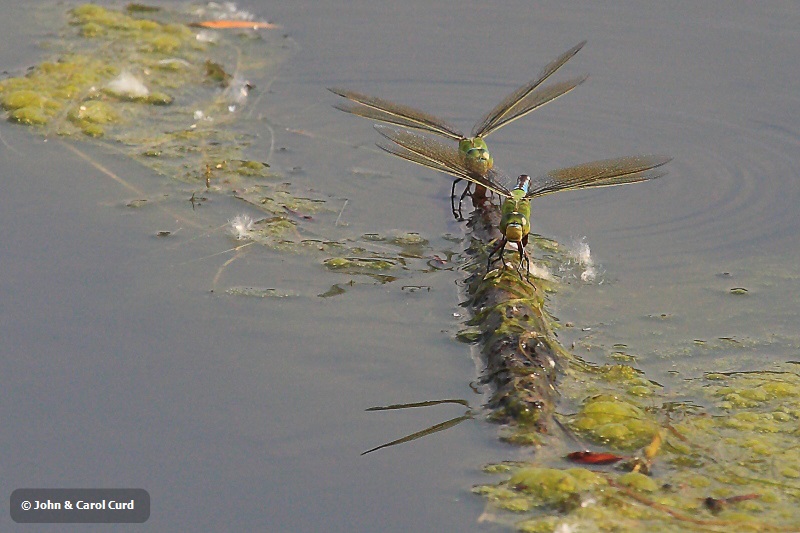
(514, 104)
(398, 114)
(533, 101)
(603, 173)
(438, 156)
(414, 157)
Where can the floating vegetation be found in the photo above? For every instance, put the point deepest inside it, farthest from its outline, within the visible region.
(608, 420)
(335, 290)
(356, 263)
(260, 292)
(170, 90)
(651, 458)
(732, 464)
(141, 80)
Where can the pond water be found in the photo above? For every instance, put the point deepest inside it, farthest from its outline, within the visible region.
(126, 363)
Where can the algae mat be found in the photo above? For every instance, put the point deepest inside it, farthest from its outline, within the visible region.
(156, 86)
(613, 450)
(717, 454)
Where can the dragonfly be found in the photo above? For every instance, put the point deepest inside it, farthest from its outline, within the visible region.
(516, 207)
(473, 149)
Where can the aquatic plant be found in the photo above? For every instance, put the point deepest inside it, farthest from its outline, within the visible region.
(164, 89)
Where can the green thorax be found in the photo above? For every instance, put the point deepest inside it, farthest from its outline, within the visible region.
(515, 220)
(476, 155)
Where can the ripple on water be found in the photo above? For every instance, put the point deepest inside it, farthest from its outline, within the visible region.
(731, 187)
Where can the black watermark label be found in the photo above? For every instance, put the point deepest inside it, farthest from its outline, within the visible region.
(62, 506)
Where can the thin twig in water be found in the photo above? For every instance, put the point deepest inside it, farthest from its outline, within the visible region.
(236, 249)
(686, 518)
(9, 146)
(271, 142)
(340, 213)
(124, 183)
(221, 269)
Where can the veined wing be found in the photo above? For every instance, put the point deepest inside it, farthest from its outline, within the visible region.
(438, 156)
(414, 157)
(604, 173)
(533, 101)
(513, 104)
(398, 114)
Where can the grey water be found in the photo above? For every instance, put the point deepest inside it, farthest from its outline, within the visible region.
(125, 363)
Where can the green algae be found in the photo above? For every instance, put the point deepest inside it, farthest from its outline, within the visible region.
(357, 263)
(723, 451)
(142, 84)
(609, 420)
(725, 436)
(638, 481)
(469, 335)
(260, 292)
(31, 116)
(552, 486)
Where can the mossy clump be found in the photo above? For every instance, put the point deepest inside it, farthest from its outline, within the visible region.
(255, 169)
(280, 201)
(347, 263)
(97, 21)
(163, 44)
(94, 112)
(611, 421)
(639, 482)
(27, 98)
(553, 486)
(77, 78)
(31, 116)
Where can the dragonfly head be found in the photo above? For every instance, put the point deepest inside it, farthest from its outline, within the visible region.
(515, 226)
(476, 153)
(515, 232)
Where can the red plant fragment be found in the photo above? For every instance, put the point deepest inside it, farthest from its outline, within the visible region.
(235, 24)
(594, 458)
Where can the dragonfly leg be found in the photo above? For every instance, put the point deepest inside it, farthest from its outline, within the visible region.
(464, 194)
(498, 250)
(524, 262)
(456, 212)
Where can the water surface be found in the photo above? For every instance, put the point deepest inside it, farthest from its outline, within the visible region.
(126, 364)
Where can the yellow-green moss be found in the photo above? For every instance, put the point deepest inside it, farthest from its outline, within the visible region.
(27, 98)
(616, 422)
(339, 263)
(163, 44)
(29, 115)
(638, 481)
(95, 112)
(551, 485)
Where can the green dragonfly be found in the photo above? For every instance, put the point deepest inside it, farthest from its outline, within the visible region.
(473, 149)
(516, 208)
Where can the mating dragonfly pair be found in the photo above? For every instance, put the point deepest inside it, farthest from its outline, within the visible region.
(472, 161)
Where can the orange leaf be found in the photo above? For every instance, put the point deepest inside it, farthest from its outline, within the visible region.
(594, 458)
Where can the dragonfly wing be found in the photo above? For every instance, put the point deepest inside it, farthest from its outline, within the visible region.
(380, 116)
(489, 122)
(439, 156)
(414, 157)
(604, 173)
(401, 115)
(534, 100)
